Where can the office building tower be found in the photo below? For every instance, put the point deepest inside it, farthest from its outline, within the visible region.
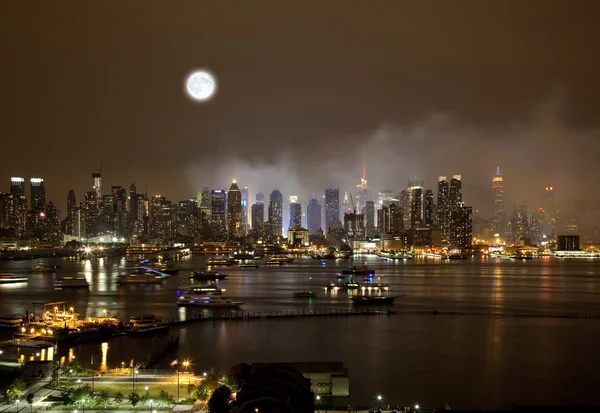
(260, 198)
(132, 212)
(551, 212)
(390, 225)
(428, 209)
(295, 213)
(347, 206)
(362, 192)
(245, 206)
(370, 218)
(521, 221)
(498, 212)
(17, 186)
(313, 216)
(218, 205)
(258, 218)
(186, 218)
(416, 208)
(461, 235)
(72, 219)
(403, 202)
(89, 215)
(205, 204)
(4, 210)
(455, 191)
(38, 195)
(234, 211)
(332, 208)
(443, 208)
(386, 197)
(97, 184)
(276, 214)
(160, 218)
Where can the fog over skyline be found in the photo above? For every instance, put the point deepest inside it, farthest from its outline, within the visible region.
(307, 92)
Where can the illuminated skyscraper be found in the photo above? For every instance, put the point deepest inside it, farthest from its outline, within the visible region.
(276, 214)
(416, 209)
(17, 186)
(97, 184)
(370, 218)
(245, 204)
(160, 218)
(205, 207)
(186, 217)
(38, 195)
(428, 209)
(461, 234)
(313, 216)
(332, 208)
(218, 204)
(234, 211)
(72, 220)
(362, 192)
(499, 214)
(295, 213)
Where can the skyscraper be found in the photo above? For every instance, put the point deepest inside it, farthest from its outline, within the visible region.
(186, 217)
(17, 186)
(72, 220)
(258, 218)
(370, 218)
(313, 216)
(234, 211)
(89, 212)
(455, 201)
(443, 207)
(332, 208)
(461, 236)
(498, 217)
(245, 204)
(295, 213)
(133, 207)
(97, 184)
(160, 218)
(416, 207)
(428, 209)
(218, 204)
(362, 192)
(205, 205)
(38, 195)
(276, 213)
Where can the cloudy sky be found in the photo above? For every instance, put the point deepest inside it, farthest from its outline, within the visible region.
(307, 92)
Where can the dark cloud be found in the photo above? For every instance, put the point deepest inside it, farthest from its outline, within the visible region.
(307, 91)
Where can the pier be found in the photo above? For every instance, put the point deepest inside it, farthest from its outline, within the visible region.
(171, 344)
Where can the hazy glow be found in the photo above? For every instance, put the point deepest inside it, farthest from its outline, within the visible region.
(201, 85)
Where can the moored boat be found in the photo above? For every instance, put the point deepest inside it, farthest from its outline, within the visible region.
(219, 261)
(359, 271)
(350, 285)
(281, 258)
(71, 282)
(139, 279)
(246, 265)
(146, 323)
(365, 299)
(207, 275)
(208, 301)
(305, 294)
(11, 321)
(44, 268)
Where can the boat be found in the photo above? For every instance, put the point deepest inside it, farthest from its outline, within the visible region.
(207, 275)
(146, 323)
(207, 301)
(305, 294)
(271, 263)
(365, 299)
(71, 282)
(11, 321)
(350, 285)
(249, 265)
(281, 258)
(44, 268)
(163, 268)
(359, 271)
(139, 279)
(219, 261)
(11, 279)
(521, 257)
(457, 257)
(207, 289)
(241, 255)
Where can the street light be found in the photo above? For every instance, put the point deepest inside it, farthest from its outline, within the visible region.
(417, 406)
(17, 404)
(186, 364)
(146, 388)
(83, 405)
(150, 402)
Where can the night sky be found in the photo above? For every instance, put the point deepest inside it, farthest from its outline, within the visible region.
(307, 91)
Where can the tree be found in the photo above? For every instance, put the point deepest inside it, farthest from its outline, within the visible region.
(134, 398)
(191, 387)
(55, 376)
(29, 399)
(119, 397)
(220, 401)
(202, 392)
(164, 397)
(102, 398)
(15, 390)
(83, 393)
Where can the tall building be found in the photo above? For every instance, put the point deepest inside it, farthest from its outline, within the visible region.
(17, 186)
(205, 205)
(4, 210)
(18, 215)
(72, 220)
(132, 213)
(386, 197)
(403, 202)
(160, 219)
(428, 209)
(218, 204)
(38, 195)
(347, 206)
(89, 215)
(186, 217)
(521, 221)
(119, 195)
(258, 218)
(276, 214)
(332, 208)
(551, 212)
(245, 205)
(295, 213)
(97, 184)
(370, 218)
(461, 236)
(454, 201)
(234, 211)
(313, 216)
(499, 215)
(416, 207)
(362, 192)
(260, 198)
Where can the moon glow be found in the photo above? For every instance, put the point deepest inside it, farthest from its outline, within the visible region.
(201, 85)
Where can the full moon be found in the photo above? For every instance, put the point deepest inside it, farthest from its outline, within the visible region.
(201, 85)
